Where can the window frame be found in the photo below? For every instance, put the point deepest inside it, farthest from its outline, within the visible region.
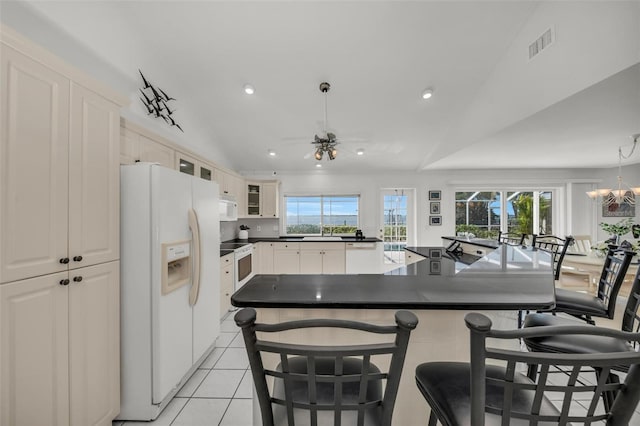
(557, 208)
(321, 214)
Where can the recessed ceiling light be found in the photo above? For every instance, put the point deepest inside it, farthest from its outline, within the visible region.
(249, 89)
(427, 93)
(272, 153)
(360, 151)
(318, 165)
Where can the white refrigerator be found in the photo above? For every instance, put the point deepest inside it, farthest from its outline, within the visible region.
(170, 281)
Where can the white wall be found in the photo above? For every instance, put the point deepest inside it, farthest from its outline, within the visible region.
(581, 217)
(25, 20)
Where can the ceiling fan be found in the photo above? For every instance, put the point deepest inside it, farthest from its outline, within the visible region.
(329, 142)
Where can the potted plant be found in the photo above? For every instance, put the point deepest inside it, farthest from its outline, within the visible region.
(619, 229)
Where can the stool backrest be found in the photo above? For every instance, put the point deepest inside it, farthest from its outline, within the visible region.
(511, 239)
(564, 387)
(326, 369)
(614, 269)
(631, 315)
(556, 246)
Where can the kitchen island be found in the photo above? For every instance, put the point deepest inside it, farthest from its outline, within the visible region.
(440, 290)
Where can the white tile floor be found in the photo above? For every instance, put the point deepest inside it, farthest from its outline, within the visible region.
(220, 392)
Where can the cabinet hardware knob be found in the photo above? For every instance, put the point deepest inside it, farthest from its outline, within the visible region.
(137, 161)
(64, 282)
(77, 279)
(226, 272)
(77, 258)
(64, 260)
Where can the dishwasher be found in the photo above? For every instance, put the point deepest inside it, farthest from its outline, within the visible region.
(364, 257)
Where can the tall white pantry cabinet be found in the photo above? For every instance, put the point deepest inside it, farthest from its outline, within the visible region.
(59, 241)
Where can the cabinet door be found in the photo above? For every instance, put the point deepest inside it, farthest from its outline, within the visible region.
(151, 151)
(205, 171)
(186, 163)
(34, 352)
(310, 261)
(266, 258)
(334, 260)
(33, 167)
(94, 179)
(286, 258)
(94, 345)
(129, 146)
(269, 201)
(253, 198)
(226, 283)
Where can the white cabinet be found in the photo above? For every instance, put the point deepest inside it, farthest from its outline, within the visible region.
(265, 251)
(135, 147)
(59, 207)
(262, 199)
(226, 283)
(270, 201)
(193, 166)
(286, 258)
(59, 241)
(60, 348)
(322, 258)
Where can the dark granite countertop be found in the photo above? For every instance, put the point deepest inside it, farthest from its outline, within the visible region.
(301, 240)
(482, 242)
(224, 252)
(508, 278)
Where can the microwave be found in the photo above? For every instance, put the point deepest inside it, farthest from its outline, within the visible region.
(228, 209)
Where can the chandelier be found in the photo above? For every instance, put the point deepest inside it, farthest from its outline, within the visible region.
(325, 144)
(624, 193)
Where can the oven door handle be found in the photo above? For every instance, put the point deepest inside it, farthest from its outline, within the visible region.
(195, 232)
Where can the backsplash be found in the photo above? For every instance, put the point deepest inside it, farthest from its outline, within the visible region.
(268, 228)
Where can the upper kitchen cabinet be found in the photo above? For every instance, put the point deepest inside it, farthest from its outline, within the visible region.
(233, 185)
(193, 166)
(262, 199)
(59, 186)
(135, 147)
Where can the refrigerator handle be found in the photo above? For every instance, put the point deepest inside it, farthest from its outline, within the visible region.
(195, 232)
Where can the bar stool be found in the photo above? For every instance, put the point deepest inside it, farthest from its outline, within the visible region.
(326, 385)
(490, 390)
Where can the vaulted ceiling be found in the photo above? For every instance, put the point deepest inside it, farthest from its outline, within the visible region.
(572, 105)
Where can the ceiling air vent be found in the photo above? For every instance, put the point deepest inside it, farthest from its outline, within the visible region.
(544, 41)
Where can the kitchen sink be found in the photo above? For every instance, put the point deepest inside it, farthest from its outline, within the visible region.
(322, 239)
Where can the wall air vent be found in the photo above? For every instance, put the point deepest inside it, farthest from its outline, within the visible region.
(544, 41)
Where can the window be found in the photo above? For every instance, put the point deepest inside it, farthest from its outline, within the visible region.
(321, 215)
(483, 213)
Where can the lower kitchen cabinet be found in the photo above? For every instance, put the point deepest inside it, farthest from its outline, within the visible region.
(264, 257)
(60, 348)
(286, 258)
(226, 283)
(322, 258)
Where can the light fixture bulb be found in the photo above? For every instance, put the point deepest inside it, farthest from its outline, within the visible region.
(360, 151)
(249, 89)
(332, 153)
(318, 154)
(272, 153)
(427, 93)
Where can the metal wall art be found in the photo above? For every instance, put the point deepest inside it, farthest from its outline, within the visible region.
(156, 100)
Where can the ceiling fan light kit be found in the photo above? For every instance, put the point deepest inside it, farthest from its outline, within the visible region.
(328, 143)
(624, 193)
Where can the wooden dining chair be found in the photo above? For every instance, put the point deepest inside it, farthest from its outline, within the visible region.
(326, 385)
